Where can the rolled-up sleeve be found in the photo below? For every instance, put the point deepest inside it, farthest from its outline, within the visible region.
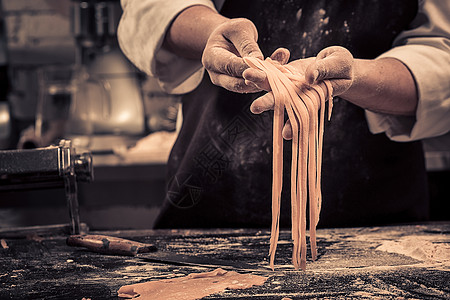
(425, 50)
(141, 32)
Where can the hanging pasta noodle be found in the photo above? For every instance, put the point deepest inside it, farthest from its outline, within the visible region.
(303, 107)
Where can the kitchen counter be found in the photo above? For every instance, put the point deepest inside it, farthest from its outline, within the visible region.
(396, 262)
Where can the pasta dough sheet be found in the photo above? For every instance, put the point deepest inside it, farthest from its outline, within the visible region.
(192, 286)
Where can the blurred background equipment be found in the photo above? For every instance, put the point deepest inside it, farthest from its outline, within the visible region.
(94, 26)
(5, 120)
(68, 80)
(106, 101)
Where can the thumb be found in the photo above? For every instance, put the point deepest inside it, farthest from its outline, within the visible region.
(244, 35)
(281, 55)
(331, 63)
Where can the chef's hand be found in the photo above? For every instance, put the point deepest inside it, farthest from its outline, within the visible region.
(333, 63)
(225, 48)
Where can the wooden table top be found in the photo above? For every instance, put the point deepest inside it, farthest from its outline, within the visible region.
(391, 262)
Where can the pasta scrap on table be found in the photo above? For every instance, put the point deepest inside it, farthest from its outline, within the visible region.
(306, 111)
(192, 286)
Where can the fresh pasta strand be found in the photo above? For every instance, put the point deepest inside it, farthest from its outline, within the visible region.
(306, 111)
(277, 173)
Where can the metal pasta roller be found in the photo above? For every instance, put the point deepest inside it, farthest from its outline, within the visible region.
(49, 167)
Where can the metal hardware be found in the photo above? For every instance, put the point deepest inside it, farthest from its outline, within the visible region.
(49, 167)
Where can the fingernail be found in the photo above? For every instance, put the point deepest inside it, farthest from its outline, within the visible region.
(250, 83)
(315, 75)
(255, 109)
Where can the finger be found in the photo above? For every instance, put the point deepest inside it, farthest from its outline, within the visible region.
(262, 104)
(281, 55)
(220, 60)
(234, 84)
(331, 63)
(287, 131)
(244, 35)
(257, 78)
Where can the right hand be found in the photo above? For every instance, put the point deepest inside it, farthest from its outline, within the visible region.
(223, 53)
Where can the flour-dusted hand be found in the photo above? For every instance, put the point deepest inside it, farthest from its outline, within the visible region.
(226, 46)
(333, 63)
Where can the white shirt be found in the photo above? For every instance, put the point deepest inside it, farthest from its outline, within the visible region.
(425, 50)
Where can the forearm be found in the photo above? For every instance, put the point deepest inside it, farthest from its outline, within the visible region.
(189, 32)
(383, 85)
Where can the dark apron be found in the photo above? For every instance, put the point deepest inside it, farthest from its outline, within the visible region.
(220, 169)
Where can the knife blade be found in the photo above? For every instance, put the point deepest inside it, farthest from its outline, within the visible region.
(199, 261)
(148, 252)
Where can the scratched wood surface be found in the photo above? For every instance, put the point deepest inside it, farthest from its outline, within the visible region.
(397, 262)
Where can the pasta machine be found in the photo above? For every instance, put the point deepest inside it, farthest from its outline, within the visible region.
(49, 167)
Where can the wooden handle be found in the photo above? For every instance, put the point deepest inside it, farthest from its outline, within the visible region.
(109, 244)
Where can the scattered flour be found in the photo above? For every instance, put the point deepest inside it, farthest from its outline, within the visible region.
(430, 249)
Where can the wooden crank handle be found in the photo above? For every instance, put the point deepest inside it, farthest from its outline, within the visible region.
(109, 244)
